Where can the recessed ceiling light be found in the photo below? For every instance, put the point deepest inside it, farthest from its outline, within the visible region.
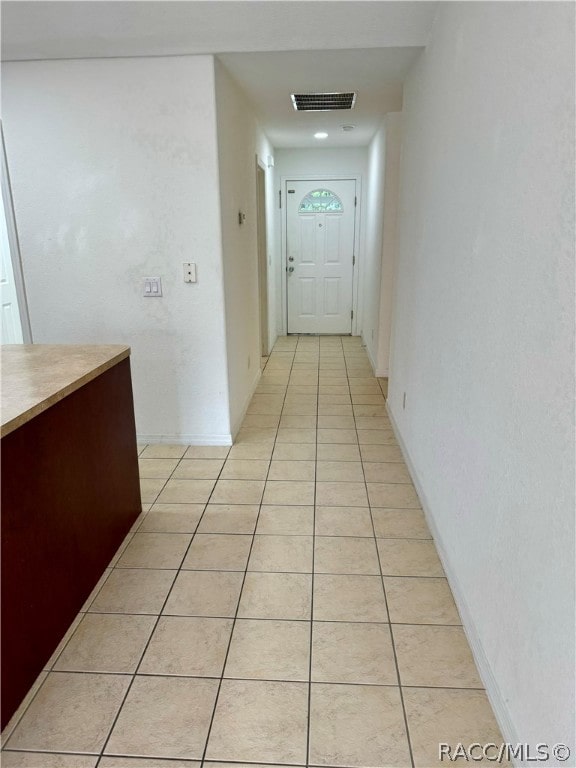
(321, 135)
(347, 128)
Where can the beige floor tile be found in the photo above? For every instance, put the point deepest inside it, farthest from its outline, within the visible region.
(299, 398)
(364, 389)
(353, 653)
(281, 553)
(409, 557)
(349, 598)
(381, 453)
(327, 378)
(393, 495)
(172, 518)
(205, 593)
(266, 404)
(269, 650)
(46, 760)
(260, 721)
(155, 550)
(357, 726)
(229, 518)
(181, 491)
(376, 436)
(341, 494)
(237, 492)
(286, 435)
(334, 400)
(258, 421)
(164, 717)
(150, 488)
(333, 409)
(276, 596)
(218, 552)
(295, 421)
(294, 452)
(270, 389)
(199, 469)
(337, 452)
(361, 409)
(368, 399)
(292, 470)
(250, 450)
(400, 524)
(106, 643)
(437, 715)
(70, 713)
(298, 390)
(326, 421)
(420, 601)
(345, 554)
(337, 436)
(187, 646)
(286, 520)
(164, 451)
(245, 469)
(333, 389)
(343, 521)
(340, 471)
(288, 492)
(434, 656)
(156, 468)
(389, 472)
(207, 452)
(254, 436)
(372, 423)
(138, 590)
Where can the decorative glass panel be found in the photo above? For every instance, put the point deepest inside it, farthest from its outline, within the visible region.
(319, 201)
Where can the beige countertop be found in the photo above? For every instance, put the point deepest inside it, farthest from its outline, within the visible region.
(36, 376)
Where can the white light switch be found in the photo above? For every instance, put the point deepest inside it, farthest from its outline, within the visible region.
(189, 272)
(152, 287)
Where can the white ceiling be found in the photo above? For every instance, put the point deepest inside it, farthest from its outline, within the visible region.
(271, 47)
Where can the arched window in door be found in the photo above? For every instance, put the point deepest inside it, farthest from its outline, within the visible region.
(321, 201)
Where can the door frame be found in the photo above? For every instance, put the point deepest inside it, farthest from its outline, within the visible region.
(356, 296)
(13, 242)
(262, 246)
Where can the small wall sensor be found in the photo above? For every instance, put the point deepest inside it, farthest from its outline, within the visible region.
(241, 218)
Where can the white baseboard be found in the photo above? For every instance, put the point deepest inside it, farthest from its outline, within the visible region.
(186, 439)
(493, 692)
(236, 426)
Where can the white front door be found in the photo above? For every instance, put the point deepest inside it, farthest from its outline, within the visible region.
(320, 222)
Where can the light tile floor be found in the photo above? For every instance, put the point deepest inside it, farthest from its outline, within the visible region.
(280, 602)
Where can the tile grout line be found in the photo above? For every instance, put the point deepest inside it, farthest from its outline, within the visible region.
(203, 758)
(408, 740)
(309, 713)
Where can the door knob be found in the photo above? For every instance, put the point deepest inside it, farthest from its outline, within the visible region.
(290, 269)
(290, 258)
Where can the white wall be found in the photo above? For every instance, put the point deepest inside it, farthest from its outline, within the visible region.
(114, 172)
(316, 162)
(483, 340)
(240, 144)
(393, 123)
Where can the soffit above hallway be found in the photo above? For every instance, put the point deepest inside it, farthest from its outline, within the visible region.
(70, 29)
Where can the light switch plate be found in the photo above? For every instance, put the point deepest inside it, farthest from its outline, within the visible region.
(152, 287)
(189, 272)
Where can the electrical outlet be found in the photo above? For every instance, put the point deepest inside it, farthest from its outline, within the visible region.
(404, 402)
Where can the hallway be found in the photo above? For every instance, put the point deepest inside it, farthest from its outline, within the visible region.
(279, 602)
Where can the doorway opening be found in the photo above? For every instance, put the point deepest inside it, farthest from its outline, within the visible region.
(262, 258)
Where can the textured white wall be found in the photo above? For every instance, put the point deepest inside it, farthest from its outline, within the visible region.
(393, 123)
(483, 339)
(374, 235)
(114, 172)
(316, 162)
(240, 143)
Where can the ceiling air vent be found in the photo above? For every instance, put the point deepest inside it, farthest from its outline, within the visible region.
(322, 102)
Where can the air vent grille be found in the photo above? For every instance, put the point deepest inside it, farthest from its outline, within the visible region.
(322, 102)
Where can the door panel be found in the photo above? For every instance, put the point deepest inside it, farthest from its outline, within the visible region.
(320, 217)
